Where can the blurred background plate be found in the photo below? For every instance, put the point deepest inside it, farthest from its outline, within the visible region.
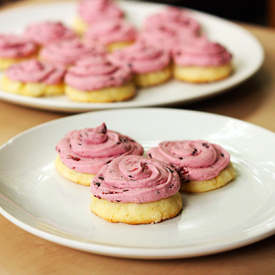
(248, 56)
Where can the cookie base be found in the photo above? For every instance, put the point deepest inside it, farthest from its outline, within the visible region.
(196, 74)
(72, 175)
(194, 186)
(118, 45)
(110, 94)
(153, 78)
(79, 25)
(137, 213)
(31, 89)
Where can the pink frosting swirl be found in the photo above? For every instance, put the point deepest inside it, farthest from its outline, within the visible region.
(48, 32)
(87, 150)
(96, 73)
(110, 31)
(142, 57)
(67, 52)
(181, 19)
(166, 35)
(135, 179)
(34, 71)
(92, 11)
(12, 46)
(201, 52)
(195, 160)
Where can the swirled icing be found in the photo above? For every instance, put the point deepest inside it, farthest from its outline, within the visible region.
(166, 35)
(181, 19)
(135, 179)
(67, 52)
(95, 73)
(92, 11)
(12, 46)
(195, 160)
(47, 32)
(87, 150)
(201, 52)
(111, 30)
(142, 57)
(34, 71)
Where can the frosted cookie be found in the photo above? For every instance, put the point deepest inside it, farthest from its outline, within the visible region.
(181, 19)
(96, 79)
(81, 153)
(202, 166)
(136, 190)
(112, 33)
(166, 36)
(150, 65)
(89, 12)
(33, 78)
(68, 52)
(170, 28)
(46, 32)
(201, 61)
(14, 49)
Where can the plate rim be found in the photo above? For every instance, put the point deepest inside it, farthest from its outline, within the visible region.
(135, 253)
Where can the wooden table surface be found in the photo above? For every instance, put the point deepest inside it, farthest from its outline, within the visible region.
(23, 253)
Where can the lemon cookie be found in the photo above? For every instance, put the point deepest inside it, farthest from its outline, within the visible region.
(81, 153)
(201, 61)
(67, 52)
(90, 12)
(114, 34)
(169, 28)
(14, 49)
(136, 190)
(202, 166)
(151, 65)
(47, 32)
(180, 19)
(198, 186)
(33, 78)
(96, 79)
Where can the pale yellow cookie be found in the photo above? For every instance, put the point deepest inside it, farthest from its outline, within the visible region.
(197, 74)
(5, 63)
(153, 78)
(137, 213)
(79, 25)
(226, 175)
(118, 45)
(72, 175)
(31, 89)
(109, 94)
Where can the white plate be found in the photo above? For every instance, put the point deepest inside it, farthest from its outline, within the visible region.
(247, 51)
(39, 200)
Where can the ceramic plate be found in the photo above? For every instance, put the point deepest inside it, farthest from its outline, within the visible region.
(36, 198)
(247, 52)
